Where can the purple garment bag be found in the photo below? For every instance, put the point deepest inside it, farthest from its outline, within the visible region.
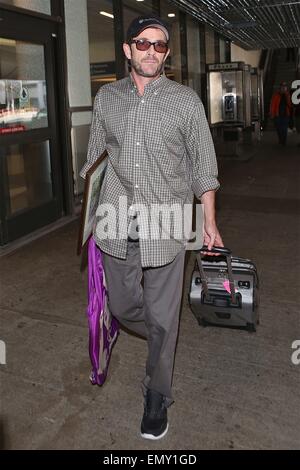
(103, 327)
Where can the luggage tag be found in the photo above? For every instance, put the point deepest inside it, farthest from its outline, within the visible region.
(226, 286)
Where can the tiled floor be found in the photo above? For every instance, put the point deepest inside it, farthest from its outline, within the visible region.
(233, 390)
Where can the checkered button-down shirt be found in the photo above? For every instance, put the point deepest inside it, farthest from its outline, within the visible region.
(160, 153)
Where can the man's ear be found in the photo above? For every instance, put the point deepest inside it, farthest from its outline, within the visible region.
(127, 50)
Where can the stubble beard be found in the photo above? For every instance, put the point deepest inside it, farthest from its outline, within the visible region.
(139, 69)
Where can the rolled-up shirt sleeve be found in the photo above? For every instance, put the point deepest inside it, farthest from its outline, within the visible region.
(201, 151)
(97, 139)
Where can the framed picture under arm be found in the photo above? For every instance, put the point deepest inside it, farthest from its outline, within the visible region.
(93, 182)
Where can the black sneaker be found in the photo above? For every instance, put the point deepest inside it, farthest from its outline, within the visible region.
(155, 419)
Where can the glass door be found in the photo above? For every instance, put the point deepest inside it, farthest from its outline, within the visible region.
(30, 172)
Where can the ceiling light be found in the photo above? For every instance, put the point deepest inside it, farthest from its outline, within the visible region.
(171, 15)
(7, 42)
(104, 13)
(139, 0)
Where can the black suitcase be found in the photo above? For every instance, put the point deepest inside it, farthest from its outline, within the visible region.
(224, 290)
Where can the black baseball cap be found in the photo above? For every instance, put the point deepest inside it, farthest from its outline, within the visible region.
(142, 22)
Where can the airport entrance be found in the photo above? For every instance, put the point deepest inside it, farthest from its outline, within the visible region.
(30, 161)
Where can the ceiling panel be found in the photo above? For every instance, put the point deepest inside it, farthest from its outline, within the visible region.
(253, 24)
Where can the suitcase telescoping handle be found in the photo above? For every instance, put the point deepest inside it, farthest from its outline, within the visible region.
(217, 249)
(222, 251)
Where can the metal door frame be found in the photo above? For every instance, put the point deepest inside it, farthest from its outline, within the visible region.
(42, 31)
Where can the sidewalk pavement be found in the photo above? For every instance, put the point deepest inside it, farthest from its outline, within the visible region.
(232, 389)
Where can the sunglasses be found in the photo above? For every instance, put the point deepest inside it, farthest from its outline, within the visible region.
(144, 45)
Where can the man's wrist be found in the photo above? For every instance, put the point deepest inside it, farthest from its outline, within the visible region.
(209, 219)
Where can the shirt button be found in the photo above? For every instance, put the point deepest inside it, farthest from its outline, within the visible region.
(142, 101)
(136, 186)
(155, 92)
(137, 165)
(138, 143)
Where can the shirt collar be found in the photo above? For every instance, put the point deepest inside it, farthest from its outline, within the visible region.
(154, 85)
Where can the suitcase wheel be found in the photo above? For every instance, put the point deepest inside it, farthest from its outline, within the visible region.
(202, 322)
(251, 327)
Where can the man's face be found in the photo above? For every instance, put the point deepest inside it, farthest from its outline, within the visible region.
(147, 63)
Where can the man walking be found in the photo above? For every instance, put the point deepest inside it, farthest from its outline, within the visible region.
(160, 154)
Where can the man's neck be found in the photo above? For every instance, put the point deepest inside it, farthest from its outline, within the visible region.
(141, 82)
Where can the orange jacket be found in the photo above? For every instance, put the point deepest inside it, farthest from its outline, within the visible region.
(275, 102)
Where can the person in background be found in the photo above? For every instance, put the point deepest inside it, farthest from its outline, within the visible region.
(281, 111)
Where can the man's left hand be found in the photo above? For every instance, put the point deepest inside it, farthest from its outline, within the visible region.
(212, 237)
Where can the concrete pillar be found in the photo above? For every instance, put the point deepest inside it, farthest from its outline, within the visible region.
(79, 84)
(78, 65)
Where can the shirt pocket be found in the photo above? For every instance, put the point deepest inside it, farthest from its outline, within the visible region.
(168, 157)
(164, 143)
(171, 132)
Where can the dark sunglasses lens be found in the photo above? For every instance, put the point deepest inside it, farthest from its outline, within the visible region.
(143, 45)
(161, 47)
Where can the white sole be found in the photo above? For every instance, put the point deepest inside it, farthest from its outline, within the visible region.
(155, 438)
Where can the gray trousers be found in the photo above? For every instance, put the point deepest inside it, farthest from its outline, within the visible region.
(151, 310)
